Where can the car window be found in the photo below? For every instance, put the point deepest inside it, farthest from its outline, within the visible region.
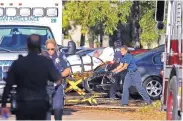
(142, 55)
(157, 59)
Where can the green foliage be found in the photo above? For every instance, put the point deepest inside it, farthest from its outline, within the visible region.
(65, 22)
(150, 108)
(147, 22)
(146, 6)
(96, 14)
(124, 10)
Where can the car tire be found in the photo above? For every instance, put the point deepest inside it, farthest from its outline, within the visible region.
(153, 86)
(94, 81)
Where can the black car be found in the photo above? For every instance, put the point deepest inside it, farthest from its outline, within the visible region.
(149, 65)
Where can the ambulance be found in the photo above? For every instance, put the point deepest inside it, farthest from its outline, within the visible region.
(21, 18)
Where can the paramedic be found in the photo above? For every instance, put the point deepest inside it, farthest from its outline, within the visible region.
(132, 77)
(61, 63)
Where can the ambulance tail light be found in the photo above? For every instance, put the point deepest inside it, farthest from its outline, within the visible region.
(1, 11)
(38, 12)
(25, 12)
(52, 12)
(12, 11)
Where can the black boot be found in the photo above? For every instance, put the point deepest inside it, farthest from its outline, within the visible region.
(58, 114)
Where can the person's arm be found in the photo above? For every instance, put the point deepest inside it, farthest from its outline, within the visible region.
(66, 72)
(54, 75)
(65, 64)
(126, 62)
(118, 68)
(125, 65)
(10, 80)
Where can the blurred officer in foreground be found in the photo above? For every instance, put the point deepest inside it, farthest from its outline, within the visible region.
(30, 74)
(132, 77)
(60, 62)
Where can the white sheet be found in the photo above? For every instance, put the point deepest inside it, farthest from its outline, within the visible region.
(107, 55)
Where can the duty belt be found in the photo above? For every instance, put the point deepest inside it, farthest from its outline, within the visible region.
(132, 71)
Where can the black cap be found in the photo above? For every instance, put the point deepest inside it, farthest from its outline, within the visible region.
(34, 43)
(117, 44)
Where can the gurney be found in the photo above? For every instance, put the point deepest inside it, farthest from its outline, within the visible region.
(76, 79)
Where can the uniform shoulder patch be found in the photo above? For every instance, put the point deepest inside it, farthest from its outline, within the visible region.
(57, 60)
(62, 55)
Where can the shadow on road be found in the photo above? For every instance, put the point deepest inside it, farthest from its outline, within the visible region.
(69, 111)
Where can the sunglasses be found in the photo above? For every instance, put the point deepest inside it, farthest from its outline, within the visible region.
(52, 49)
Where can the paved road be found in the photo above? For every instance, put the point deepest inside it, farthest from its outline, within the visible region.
(112, 112)
(78, 113)
(75, 113)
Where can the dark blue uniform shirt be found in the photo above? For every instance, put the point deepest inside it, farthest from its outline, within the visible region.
(60, 61)
(117, 55)
(128, 58)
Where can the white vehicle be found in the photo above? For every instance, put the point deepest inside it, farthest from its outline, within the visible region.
(44, 15)
(21, 18)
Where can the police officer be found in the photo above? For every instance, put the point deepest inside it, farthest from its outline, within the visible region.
(132, 77)
(60, 62)
(117, 56)
(30, 74)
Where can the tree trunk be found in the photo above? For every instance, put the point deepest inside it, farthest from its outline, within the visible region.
(135, 11)
(82, 42)
(91, 38)
(119, 32)
(101, 39)
(101, 33)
